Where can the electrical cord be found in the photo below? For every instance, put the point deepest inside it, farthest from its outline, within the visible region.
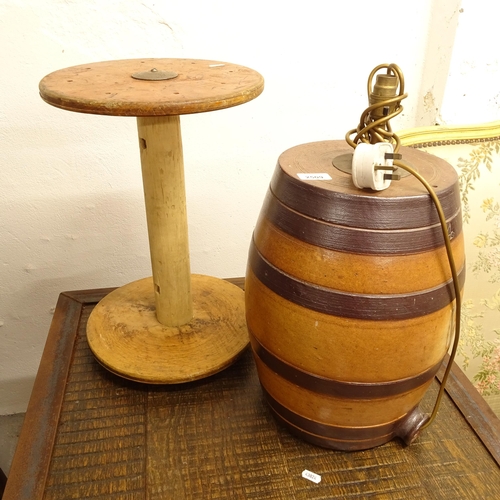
(456, 285)
(374, 127)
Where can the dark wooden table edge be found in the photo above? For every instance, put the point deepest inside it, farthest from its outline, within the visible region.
(474, 408)
(31, 462)
(29, 469)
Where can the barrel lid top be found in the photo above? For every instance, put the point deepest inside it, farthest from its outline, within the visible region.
(120, 88)
(317, 158)
(307, 181)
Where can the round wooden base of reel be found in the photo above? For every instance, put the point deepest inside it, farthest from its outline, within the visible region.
(127, 339)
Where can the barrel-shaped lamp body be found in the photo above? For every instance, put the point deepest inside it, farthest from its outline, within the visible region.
(349, 296)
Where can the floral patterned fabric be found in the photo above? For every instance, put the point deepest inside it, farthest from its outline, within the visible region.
(477, 163)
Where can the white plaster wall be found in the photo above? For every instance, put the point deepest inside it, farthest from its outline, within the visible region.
(473, 87)
(71, 206)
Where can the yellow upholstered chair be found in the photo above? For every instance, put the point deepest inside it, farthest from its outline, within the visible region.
(474, 151)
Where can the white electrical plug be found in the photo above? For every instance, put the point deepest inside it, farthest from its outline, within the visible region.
(364, 160)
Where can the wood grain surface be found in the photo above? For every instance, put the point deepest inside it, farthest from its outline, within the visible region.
(107, 88)
(125, 336)
(216, 438)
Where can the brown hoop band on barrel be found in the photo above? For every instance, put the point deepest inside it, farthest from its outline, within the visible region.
(352, 209)
(336, 444)
(356, 240)
(351, 305)
(330, 431)
(347, 438)
(337, 388)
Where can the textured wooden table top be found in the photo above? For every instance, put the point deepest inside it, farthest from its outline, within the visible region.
(90, 434)
(108, 88)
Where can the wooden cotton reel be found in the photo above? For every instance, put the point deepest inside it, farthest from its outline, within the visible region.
(349, 296)
(173, 327)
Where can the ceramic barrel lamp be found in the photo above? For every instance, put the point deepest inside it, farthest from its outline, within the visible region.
(173, 327)
(350, 290)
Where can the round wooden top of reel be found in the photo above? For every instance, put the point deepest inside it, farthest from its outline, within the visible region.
(123, 87)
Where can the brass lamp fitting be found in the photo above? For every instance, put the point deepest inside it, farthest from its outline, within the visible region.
(385, 87)
(384, 98)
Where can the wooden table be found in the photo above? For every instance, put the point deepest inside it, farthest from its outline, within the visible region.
(91, 434)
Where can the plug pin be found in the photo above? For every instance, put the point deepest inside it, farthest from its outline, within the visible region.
(392, 177)
(393, 156)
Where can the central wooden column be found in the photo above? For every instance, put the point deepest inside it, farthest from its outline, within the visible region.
(162, 163)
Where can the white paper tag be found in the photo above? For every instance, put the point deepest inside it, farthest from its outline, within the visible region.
(307, 474)
(314, 177)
